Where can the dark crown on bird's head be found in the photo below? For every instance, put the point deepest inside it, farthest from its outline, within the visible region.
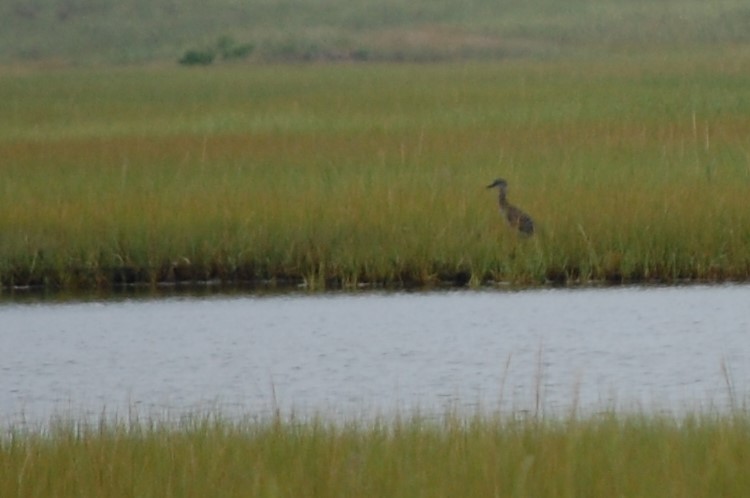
(500, 183)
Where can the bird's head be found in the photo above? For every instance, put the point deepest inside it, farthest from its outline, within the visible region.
(499, 183)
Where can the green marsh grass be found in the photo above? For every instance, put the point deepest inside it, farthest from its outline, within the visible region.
(483, 455)
(636, 169)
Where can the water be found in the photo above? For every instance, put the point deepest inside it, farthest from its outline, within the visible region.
(355, 355)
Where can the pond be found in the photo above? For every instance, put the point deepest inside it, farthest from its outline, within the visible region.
(354, 355)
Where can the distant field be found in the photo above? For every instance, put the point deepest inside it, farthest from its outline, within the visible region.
(105, 32)
(636, 168)
(605, 455)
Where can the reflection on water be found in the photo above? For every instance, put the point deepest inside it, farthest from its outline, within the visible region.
(649, 348)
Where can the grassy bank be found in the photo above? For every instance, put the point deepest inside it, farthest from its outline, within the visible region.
(605, 455)
(635, 169)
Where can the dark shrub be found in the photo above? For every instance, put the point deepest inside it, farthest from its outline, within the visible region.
(197, 57)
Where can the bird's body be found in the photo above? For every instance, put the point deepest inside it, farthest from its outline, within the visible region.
(516, 217)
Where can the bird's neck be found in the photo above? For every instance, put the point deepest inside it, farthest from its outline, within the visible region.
(502, 200)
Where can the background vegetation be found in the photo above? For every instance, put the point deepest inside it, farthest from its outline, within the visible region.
(131, 31)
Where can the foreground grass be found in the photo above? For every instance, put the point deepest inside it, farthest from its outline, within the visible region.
(635, 168)
(604, 455)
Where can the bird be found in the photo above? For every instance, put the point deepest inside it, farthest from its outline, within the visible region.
(516, 217)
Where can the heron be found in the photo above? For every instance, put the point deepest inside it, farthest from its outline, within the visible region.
(516, 217)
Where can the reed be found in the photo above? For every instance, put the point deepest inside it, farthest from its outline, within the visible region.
(635, 169)
(482, 455)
